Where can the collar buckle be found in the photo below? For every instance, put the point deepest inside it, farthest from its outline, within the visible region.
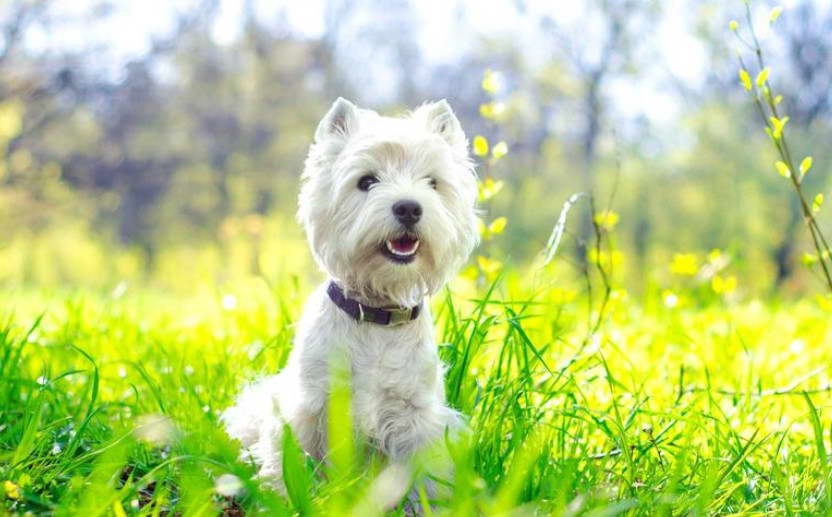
(399, 316)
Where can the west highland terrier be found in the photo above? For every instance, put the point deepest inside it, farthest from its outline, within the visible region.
(388, 205)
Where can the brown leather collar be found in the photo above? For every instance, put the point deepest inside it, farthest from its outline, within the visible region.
(378, 315)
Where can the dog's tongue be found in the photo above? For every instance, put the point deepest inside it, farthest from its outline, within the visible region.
(404, 244)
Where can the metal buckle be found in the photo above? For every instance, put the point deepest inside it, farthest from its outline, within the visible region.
(399, 316)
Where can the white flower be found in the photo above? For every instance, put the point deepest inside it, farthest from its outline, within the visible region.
(228, 485)
(155, 429)
(229, 302)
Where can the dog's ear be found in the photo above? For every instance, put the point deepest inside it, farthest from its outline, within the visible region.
(440, 119)
(341, 121)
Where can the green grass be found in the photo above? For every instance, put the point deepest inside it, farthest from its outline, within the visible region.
(692, 410)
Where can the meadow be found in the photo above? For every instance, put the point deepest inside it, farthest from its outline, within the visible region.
(665, 352)
(685, 401)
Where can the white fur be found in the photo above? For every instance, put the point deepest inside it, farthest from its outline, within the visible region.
(398, 398)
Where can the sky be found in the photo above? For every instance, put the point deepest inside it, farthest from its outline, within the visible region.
(128, 28)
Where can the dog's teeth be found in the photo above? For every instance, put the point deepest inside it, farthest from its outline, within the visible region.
(394, 251)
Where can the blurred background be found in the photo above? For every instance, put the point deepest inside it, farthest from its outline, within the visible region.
(159, 143)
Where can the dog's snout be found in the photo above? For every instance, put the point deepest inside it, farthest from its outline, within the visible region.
(408, 212)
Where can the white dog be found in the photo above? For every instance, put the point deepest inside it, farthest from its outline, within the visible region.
(388, 205)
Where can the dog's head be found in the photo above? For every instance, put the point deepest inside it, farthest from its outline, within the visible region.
(388, 204)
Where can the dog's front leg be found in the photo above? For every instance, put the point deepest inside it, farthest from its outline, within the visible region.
(415, 437)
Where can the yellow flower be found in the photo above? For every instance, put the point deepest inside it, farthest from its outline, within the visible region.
(560, 295)
(762, 77)
(817, 203)
(809, 259)
(783, 169)
(500, 150)
(805, 165)
(12, 490)
(724, 285)
(491, 81)
(490, 188)
(606, 219)
(492, 110)
(670, 299)
(605, 259)
(489, 267)
(779, 124)
(825, 302)
(745, 79)
(496, 227)
(11, 120)
(714, 255)
(733, 25)
(774, 14)
(480, 145)
(685, 264)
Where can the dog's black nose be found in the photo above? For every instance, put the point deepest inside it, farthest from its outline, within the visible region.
(408, 212)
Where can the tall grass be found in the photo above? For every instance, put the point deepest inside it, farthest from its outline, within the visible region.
(110, 407)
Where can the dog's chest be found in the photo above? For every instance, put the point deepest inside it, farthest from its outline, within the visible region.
(398, 362)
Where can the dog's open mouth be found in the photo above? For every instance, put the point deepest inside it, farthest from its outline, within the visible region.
(401, 249)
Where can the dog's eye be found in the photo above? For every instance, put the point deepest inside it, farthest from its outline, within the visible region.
(367, 181)
(433, 183)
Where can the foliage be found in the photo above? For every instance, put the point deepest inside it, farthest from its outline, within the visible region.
(110, 405)
(766, 102)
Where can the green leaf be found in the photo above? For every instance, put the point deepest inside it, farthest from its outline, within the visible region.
(805, 165)
(783, 169)
(817, 203)
(296, 475)
(762, 77)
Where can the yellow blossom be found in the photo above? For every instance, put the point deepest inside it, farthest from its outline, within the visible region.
(496, 227)
(500, 150)
(745, 79)
(817, 203)
(605, 259)
(480, 145)
(491, 81)
(783, 169)
(724, 285)
(762, 77)
(490, 188)
(11, 489)
(492, 110)
(685, 264)
(560, 295)
(489, 267)
(606, 219)
(805, 165)
(778, 124)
